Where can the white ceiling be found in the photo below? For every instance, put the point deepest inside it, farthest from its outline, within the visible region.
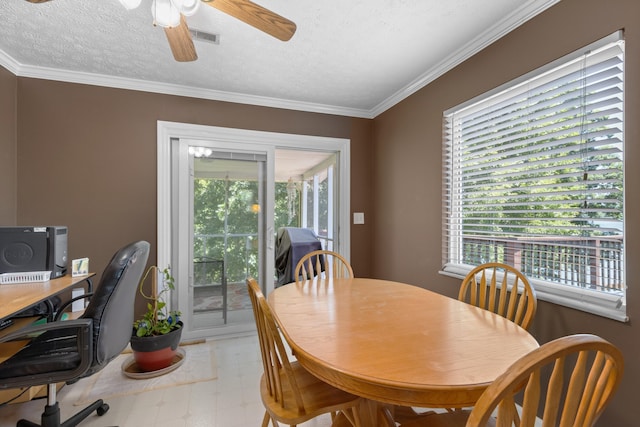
(348, 57)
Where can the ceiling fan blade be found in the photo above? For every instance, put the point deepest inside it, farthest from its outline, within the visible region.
(256, 16)
(180, 42)
(37, 1)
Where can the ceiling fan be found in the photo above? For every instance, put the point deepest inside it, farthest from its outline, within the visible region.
(170, 14)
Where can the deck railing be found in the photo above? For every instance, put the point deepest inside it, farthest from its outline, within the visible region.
(593, 263)
(238, 251)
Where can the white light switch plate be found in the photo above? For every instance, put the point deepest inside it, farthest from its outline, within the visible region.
(358, 217)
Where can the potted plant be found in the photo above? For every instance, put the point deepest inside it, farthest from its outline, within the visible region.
(156, 335)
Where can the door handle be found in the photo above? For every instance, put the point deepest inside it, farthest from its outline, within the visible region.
(270, 238)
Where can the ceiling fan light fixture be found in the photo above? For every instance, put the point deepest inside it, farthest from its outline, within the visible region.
(165, 14)
(130, 4)
(187, 7)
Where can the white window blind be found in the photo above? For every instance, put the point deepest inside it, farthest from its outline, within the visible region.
(533, 177)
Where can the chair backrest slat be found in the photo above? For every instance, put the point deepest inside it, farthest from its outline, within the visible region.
(529, 413)
(507, 410)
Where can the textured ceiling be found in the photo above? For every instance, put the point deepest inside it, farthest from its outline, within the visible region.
(355, 57)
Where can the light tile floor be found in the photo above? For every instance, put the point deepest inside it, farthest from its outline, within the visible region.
(232, 400)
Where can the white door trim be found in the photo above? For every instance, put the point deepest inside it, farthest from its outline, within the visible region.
(166, 131)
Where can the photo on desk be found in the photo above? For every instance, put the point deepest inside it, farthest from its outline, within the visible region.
(79, 267)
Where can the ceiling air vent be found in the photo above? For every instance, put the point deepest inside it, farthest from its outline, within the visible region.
(204, 36)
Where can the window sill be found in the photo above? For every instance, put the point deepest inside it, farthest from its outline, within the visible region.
(611, 306)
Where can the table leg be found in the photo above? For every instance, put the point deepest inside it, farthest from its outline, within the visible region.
(371, 413)
(403, 414)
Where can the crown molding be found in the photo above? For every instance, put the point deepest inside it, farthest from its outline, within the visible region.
(492, 34)
(103, 80)
(9, 63)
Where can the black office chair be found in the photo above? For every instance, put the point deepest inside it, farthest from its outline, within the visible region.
(66, 351)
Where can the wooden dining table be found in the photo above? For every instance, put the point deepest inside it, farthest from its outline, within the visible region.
(396, 343)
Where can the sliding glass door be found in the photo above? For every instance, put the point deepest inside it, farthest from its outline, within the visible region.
(222, 195)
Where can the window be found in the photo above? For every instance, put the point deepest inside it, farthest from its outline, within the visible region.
(533, 177)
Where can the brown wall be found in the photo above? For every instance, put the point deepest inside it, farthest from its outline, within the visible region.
(8, 141)
(362, 196)
(407, 170)
(87, 159)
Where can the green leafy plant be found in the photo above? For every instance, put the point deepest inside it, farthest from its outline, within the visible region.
(158, 319)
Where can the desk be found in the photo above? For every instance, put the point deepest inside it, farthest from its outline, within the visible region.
(19, 296)
(396, 343)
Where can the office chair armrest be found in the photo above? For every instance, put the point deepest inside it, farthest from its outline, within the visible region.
(64, 306)
(29, 331)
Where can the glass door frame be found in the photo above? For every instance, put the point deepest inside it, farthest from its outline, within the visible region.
(183, 295)
(166, 210)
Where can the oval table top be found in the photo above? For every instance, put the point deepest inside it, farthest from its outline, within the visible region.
(396, 343)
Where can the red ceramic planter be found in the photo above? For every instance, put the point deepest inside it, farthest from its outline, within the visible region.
(157, 352)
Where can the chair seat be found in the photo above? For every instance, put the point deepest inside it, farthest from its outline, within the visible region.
(53, 351)
(318, 396)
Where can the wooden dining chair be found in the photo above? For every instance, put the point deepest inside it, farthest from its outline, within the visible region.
(568, 382)
(502, 289)
(290, 394)
(322, 262)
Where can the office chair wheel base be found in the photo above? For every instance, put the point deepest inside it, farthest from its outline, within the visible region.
(102, 409)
